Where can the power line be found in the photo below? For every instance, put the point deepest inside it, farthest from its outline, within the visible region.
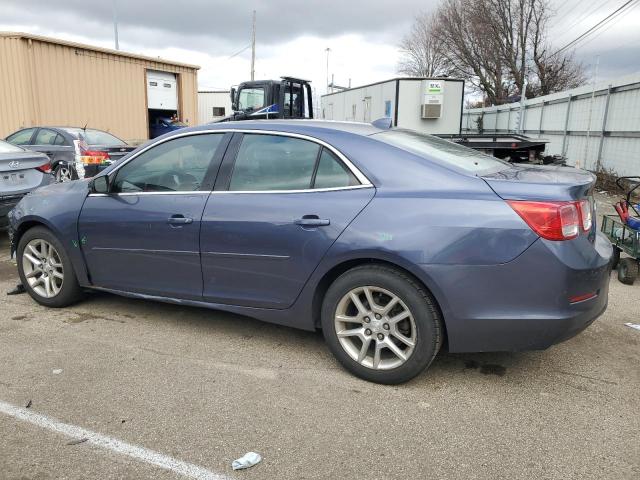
(585, 14)
(596, 26)
(604, 29)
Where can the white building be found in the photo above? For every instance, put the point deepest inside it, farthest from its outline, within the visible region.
(213, 105)
(429, 105)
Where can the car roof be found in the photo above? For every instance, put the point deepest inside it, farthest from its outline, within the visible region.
(301, 126)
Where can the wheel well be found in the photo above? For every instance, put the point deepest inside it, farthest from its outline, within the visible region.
(23, 228)
(341, 268)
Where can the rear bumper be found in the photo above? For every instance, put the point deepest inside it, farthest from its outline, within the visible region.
(7, 202)
(524, 304)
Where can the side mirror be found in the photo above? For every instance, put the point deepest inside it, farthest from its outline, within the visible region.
(100, 184)
(232, 94)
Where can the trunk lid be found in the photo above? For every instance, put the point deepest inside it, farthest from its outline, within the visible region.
(541, 183)
(18, 172)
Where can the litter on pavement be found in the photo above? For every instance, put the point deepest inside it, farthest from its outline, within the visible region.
(633, 325)
(247, 460)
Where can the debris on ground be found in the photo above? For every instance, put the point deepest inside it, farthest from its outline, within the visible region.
(77, 441)
(633, 325)
(28, 405)
(247, 460)
(56, 371)
(18, 289)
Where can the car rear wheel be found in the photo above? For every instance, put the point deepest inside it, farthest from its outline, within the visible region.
(381, 324)
(45, 269)
(64, 173)
(628, 270)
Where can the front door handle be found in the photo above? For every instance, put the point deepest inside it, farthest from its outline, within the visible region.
(179, 220)
(312, 221)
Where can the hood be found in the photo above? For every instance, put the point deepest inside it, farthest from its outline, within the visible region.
(541, 182)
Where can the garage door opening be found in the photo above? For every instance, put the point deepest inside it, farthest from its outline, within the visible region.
(163, 111)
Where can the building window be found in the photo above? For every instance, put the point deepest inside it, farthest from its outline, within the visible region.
(218, 111)
(153, 84)
(167, 85)
(387, 108)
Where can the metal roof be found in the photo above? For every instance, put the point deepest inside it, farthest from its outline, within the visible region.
(84, 46)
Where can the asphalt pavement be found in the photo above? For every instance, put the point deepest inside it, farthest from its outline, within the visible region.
(122, 388)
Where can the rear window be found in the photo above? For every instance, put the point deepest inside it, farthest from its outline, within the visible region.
(96, 137)
(431, 147)
(8, 148)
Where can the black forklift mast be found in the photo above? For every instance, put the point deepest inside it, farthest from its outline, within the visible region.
(288, 97)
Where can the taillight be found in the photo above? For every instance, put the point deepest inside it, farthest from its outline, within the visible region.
(550, 220)
(93, 157)
(46, 168)
(585, 211)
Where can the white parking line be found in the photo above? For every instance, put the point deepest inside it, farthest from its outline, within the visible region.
(139, 453)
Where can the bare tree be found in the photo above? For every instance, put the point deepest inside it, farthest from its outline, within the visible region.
(422, 55)
(496, 45)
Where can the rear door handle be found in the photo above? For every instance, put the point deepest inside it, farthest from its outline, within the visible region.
(312, 221)
(179, 220)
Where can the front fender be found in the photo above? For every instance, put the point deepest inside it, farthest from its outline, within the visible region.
(56, 207)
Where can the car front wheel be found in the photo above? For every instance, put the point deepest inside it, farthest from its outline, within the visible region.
(45, 269)
(381, 324)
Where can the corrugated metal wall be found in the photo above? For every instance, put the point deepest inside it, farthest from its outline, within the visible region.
(593, 127)
(208, 100)
(46, 83)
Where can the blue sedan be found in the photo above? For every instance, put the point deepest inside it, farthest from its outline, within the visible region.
(392, 242)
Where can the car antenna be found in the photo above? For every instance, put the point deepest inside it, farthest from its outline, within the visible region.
(85, 126)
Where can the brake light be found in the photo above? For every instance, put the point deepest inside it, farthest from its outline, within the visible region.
(585, 212)
(93, 157)
(550, 220)
(46, 168)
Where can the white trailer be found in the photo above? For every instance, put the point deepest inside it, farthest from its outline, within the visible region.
(429, 105)
(213, 105)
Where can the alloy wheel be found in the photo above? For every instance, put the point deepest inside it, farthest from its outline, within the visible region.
(63, 174)
(42, 267)
(375, 328)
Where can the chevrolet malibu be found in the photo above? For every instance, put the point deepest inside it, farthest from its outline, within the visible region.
(392, 242)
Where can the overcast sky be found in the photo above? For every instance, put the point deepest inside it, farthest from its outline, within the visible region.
(292, 35)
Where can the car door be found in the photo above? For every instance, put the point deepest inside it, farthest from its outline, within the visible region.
(53, 144)
(143, 236)
(278, 205)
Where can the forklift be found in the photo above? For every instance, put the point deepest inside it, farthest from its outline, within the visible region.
(288, 97)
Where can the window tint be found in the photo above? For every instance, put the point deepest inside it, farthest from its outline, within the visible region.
(177, 165)
(270, 162)
(438, 149)
(59, 140)
(45, 137)
(332, 173)
(22, 137)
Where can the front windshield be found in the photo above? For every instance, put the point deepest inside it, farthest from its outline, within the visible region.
(251, 99)
(8, 148)
(439, 149)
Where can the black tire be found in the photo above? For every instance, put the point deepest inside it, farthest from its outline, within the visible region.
(615, 258)
(428, 322)
(628, 270)
(70, 291)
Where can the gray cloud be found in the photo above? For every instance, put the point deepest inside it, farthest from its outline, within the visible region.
(196, 23)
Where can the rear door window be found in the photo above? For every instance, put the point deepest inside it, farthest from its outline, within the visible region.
(332, 173)
(178, 165)
(45, 137)
(23, 137)
(274, 162)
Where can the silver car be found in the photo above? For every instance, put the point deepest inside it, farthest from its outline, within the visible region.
(21, 171)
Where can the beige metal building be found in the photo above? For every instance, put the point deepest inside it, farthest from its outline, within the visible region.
(46, 81)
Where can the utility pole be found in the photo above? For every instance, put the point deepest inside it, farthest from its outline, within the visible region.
(253, 47)
(115, 24)
(328, 50)
(593, 94)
